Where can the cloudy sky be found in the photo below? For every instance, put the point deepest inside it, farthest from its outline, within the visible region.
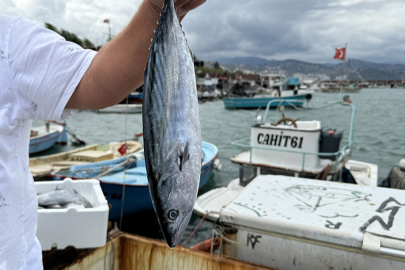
(307, 30)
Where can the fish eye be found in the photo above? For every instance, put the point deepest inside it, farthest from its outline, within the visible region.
(173, 214)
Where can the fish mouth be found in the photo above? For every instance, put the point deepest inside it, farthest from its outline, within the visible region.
(172, 241)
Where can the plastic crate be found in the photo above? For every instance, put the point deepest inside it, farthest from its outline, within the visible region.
(81, 228)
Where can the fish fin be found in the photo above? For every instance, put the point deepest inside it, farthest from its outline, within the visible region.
(184, 157)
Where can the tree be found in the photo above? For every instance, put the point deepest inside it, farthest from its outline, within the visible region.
(88, 44)
(71, 36)
(51, 27)
(216, 65)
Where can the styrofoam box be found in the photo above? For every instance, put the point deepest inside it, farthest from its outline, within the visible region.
(81, 228)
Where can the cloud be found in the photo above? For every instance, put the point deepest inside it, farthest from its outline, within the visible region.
(305, 30)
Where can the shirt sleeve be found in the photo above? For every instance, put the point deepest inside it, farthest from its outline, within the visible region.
(45, 70)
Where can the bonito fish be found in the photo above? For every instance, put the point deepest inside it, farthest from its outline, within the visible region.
(171, 126)
(59, 198)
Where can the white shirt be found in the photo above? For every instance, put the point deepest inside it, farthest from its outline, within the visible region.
(39, 71)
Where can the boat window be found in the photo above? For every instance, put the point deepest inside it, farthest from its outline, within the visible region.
(246, 174)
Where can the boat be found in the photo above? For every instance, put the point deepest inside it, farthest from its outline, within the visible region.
(297, 223)
(136, 95)
(51, 165)
(135, 181)
(287, 93)
(291, 148)
(122, 108)
(336, 87)
(44, 137)
(127, 251)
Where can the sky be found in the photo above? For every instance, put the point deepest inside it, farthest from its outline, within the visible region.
(305, 30)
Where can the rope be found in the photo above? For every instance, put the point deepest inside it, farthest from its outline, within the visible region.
(198, 226)
(125, 172)
(68, 131)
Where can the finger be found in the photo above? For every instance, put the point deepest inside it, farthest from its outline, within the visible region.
(189, 6)
(180, 3)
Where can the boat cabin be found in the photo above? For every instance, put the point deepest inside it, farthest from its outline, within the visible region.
(292, 148)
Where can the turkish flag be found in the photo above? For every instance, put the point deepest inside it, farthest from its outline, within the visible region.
(123, 149)
(340, 54)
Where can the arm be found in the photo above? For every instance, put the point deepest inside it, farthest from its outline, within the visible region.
(118, 67)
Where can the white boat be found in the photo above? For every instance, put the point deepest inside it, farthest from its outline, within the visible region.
(44, 137)
(122, 108)
(297, 223)
(291, 150)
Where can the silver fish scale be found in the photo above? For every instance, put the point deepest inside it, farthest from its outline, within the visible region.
(172, 134)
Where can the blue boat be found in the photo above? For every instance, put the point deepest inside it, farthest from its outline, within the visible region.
(255, 102)
(137, 197)
(286, 92)
(43, 138)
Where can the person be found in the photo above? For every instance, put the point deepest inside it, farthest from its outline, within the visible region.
(42, 76)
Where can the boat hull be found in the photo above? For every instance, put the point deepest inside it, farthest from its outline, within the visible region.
(137, 197)
(125, 251)
(236, 103)
(46, 141)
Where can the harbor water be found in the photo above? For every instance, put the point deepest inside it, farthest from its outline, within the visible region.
(378, 138)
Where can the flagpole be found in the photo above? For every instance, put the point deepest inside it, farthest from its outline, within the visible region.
(347, 72)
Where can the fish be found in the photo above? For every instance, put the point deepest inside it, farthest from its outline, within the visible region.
(57, 198)
(171, 126)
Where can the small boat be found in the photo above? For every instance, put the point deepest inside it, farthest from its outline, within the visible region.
(336, 87)
(122, 108)
(127, 251)
(136, 95)
(137, 197)
(52, 165)
(263, 100)
(298, 223)
(292, 148)
(44, 137)
(284, 93)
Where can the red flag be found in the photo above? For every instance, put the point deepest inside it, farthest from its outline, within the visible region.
(123, 149)
(107, 21)
(340, 54)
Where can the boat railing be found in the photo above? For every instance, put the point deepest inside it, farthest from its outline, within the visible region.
(340, 155)
(328, 104)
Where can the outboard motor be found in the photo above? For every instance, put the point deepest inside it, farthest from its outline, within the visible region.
(330, 142)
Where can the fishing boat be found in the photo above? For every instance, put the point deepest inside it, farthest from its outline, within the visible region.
(291, 148)
(122, 108)
(336, 87)
(44, 137)
(343, 86)
(298, 223)
(137, 197)
(54, 166)
(287, 93)
(127, 251)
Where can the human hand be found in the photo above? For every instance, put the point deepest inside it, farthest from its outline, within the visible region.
(182, 6)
